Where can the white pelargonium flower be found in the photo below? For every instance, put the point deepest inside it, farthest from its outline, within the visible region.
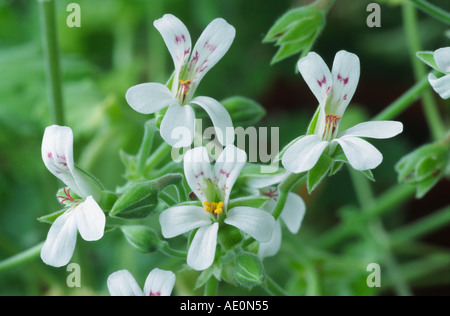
(158, 283)
(441, 85)
(334, 91)
(177, 126)
(83, 214)
(292, 215)
(213, 185)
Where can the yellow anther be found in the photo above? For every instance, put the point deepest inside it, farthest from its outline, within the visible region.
(213, 207)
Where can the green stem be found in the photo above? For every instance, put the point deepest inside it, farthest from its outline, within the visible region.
(289, 184)
(375, 228)
(211, 287)
(52, 60)
(21, 258)
(432, 10)
(146, 145)
(432, 114)
(158, 156)
(178, 254)
(273, 288)
(422, 227)
(405, 101)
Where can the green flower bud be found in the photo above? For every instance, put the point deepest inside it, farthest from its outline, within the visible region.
(248, 270)
(141, 199)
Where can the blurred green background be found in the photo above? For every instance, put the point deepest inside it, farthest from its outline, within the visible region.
(118, 47)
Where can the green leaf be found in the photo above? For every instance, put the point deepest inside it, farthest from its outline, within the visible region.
(248, 270)
(303, 29)
(313, 123)
(50, 218)
(318, 172)
(287, 21)
(229, 237)
(428, 58)
(368, 174)
(250, 201)
(430, 166)
(142, 238)
(243, 111)
(290, 49)
(424, 186)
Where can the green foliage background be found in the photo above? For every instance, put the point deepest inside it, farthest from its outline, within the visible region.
(118, 47)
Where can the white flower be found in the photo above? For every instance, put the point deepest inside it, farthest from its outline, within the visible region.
(190, 67)
(334, 91)
(213, 185)
(441, 85)
(83, 213)
(158, 283)
(292, 215)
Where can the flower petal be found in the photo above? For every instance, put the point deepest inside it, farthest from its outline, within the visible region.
(198, 172)
(271, 247)
(440, 85)
(177, 126)
(203, 247)
(60, 243)
(214, 42)
(220, 118)
(147, 98)
(57, 154)
(122, 283)
(304, 154)
(442, 59)
(360, 154)
(293, 212)
(90, 219)
(182, 219)
(346, 71)
(257, 223)
(177, 39)
(317, 75)
(375, 129)
(159, 283)
(227, 169)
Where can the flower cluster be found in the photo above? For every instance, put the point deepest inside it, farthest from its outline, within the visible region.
(218, 219)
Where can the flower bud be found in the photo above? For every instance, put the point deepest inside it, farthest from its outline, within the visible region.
(248, 270)
(141, 199)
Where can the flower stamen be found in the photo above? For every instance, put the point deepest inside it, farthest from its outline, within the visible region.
(332, 122)
(184, 87)
(213, 208)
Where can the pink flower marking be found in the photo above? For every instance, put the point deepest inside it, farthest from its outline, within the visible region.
(343, 80)
(157, 293)
(322, 82)
(227, 174)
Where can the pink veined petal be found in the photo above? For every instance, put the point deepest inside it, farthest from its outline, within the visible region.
(375, 129)
(220, 118)
(90, 219)
(257, 223)
(293, 212)
(271, 247)
(442, 59)
(203, 247)
(122, 283)
(198, 172)
(57, 154)
(177, 126)
(212, 45)
(148, 98)
(178, 220)
(60, 243)
(178, 41)
(159, 283)
(346, 71)
(304, 154)
(316, 75)
(360, 154)
(227, 169)
(440, 85)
